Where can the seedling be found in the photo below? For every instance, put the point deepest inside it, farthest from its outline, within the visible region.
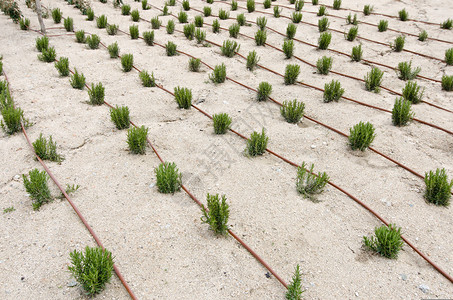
(296, 17)
(77, 80)
(264, 91)
(277, 11)
(114, 50)
(448, 24)
(423, 35)
(216, 26)
(165, 11)
(198, 21)
(234, 30)
(333, 91)
(336, 4)
(219, 74)
(291, 74)
(291, 31)
(352, 20)
(361, 136)
(222, 123)
(413, 92)
(447, 83)
(186, 5)
(288, 48)
(127, 62)
(438, 189)
(120, 117)
(93, 41)
(147, 80)
(194, 64)
(234, 5)
(383, 25)
(252, 60)
(216, 215)
(148, 37)
(250, 6)
(324, 40)
(373, 80)
(387, 241)
(80, 36)
(399, 44)
(257, 143)
(96, 94)
(403, 15)
(92, 269)
(207, 11)
(223, 14)
(37, 187)
(173, 2)
(170, 48)
(101, 21)
(260, 37)
(183, 97)
(352, 33)
(47, 150)
(24, 23)
(48, 55)
(42, 43)
(356, 54)
(90, 14)
(449, 57)
(155, 23)
(62, 66)
(309, 184)
(56, 15)
(168, 178)
(170, 27)
(292, 111)
(405, 72)
(298, 5)
(12, 118)
(189, 31)
(200, 35)
(182, 17)
(145, 5)
(133, 31)
(136, 139)
(261, 22)
(324, 65)
(367, 10)
(402, 113)
(314, 2)
(322, 11)
(126, 10)
(229, 48)
(323, 24)
(68, 24)
(135, 15)
(294, 291)
(9, 209)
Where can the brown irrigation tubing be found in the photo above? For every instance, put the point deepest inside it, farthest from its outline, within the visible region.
(74, 207)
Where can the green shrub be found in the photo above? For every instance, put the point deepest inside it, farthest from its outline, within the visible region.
(296, 17)
(194, 64)
(383, 25)
(182, 17)
(189, 31)
(168, 178)
(322, 11)
(170, 48)
(37, 187)
(333, 91)
(47, 150)
(352, 33)
(77, 80)
(127, 62)
(413, 92)
(229, 48)
(352, 20)
(101, 21)
(314, 2)
(324, 64)
(173, 2)
(42, 43)
(399, 44)
(126, 10)
(207, 11)
(449, 57)
(198, 21)
(277, 11)
(367, 9)
(308, 183)
(291, 31)
(298, 5)
(447, 82)
(90, 14)
(261, 22)
(336, 4)
(257, 143)
(219, 74)
(438, 189)
(448, 24)
(186, 5)
(361, 136)
(120, 117)
(148, 37)
(216, 26)
(291, 74)
(80, 36)
(12, 118)
(114, 50)
(250, 6)
(135, 15)
(93, 41)
(170, 27)
(68, 24)
(292, 111)
(155, 23)
(56, 15)
(200, 35)
(136, 139)
(401, 112)
(223, 14)
(373, 80)
(92, 269)
(264, 91)
(96, 94)
(324, 40)
(183, 97)
(323, 24)
(234, 5)
(294, 291)
(252, 60)
(260, 37)
(145, 5)
(62, 66)
(405, 72)
(356, 54)
(387, 241)
(234, 30)
(133, 31)
(403, 15)
(24, 23)
(423, 35)
(217, 214)
(222, 123)
(48, 55)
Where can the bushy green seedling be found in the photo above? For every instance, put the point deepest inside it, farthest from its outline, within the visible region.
(336, 4)
(145, 5)
(47, 150)
(218, 74)
(68, 24)
(234, 30)
(422, 36)
(165, 11)
(96, 94)
(189, 31)
(42, 43)
(449, 57)
(168, 178)
(182, 17)
(387, 241)
(186, 5)
(216, 215)
(133, 31)
(352, 33)
(324, 64)
(48, 55)
(127, 62)
(147, 80)
(56, 15)
(229, 48)
(288, 48)
(294, 291)
(291, 74)
(200, 35)
(323, 24)
(373, 80)
(260, 37)
(447, 83)
(399, 44)
(155, 23)
(438, 189)
(101, 22)
(322, 11)
(215, 26)
(234, 5)
(222, 123)
(277, 11)
(24, 23)
(114, 50)
(135, 15)
(367, 10)
(264, 91)
(356, 54)
(261, 22)
(92, 269)
(250, 6)
(170, 27)
(309, 184)
(223, 14)
(170, 48)
(136, 139)
(183, 97)
(194, 64)
(291, 31)
(402, 113)
(383, 25)
(448, 24)
(11, 9)
(12, 118)
(62, 66)
(90, 14)
(198, 21)
(257, 143)
(252, 60)
(207, 11)
(80, 36)
(93, 41)
(298, 5)
(405, 72)
(333, 91)
(148, 37)
(292, 111)
(120, 117)
(361, 136)
(37, 187)
(173, 2)
(352, 20)
(324, 40)
(314, 2)
(77, 80)
(413, 92)
(403, 15)
(296, 17)
(126, 10)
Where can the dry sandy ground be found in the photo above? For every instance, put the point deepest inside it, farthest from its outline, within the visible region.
(159, 242)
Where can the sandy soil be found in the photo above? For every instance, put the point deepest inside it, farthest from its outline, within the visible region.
(159, 242)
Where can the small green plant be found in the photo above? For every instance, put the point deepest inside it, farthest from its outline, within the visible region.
(42, 43)
(294, 291)
(264, 91)
(24, 23)
(291, 74)
(183, 97)
(48, 55)
(182, 17)
(257, 143)
(126, 10)
(168, 178)
(322, 11)
(135, 15)
(336, 4)
(77, 80)
(93, 41)
(234, 30)
(216, 26)
(333, 91)
(56, 15)
(448, 24)
(165, 11)
(367, 10)
(92, 269)
(373, 80)
(308, 183)
(292, 111)
(447, 83)
(324, 40)
(399, 44)
(277, 11)
(207, 11)
(260, 37)
(361, 136)
(291, 31)
(387, 241)
(120, 117)
(323, 24)
(250, 6)
(219, 74)
(170, 48)
(229, 48)
(401, 113)
(449, 57)
(352, 20)
(234, 5)
(200, 35)
(148, 37)
(422, 36)
(127, 62)
(173, 2)
(198, 21)
(194, 64)
(155, 23)
(80, 36)
(223, 14)
(438, 189)
(114, 50)
(136, 139)
(261, 22)
(101, 21)
(145, 5)
(69, 24)
(47, 150)
(222, 123)
(186, 5)
(403, 15)
(352, 33)
(170, 27)
(62, 66)
(12, 118)
(9, 209)
(296, 17)
(383, 25)
(216, 215)
(147, 80)
(356, 54)
(405, 72)
(413, 92)
(314, 2)
(288, 48)
(324, 64)
(37, 187)
(96, 94)
(133, 31)
(252, 60)
(298, 5)
(90, 14)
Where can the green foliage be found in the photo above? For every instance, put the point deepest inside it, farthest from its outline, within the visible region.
(126, 10)
(222, 123)
(155, 23)
(12, 118)
(9, 209)
(93, 41)
(234, 30)
(11, 9)
(47, 150)
(449, 57)
(135, 15)
(260, 37)
(68, 24)
(383, 25)
(403, 15)
(277, 11)
(367, 10)
(216, 26)
(133, 31)
(252, 60)
(229, 48)
(200, 35)
(183, 97)
(170, 27)
(92, 269)
(77, 80)
(198, 21)
(308, 183)
(148, 37)
(423, 35)
(314, 2)
(413, 92)
(234, 5)
(373, 80)
(219, 74)
(241, 19)
(264, 91)
(170, 48)
(261, 22)
(405, 72)
(292, 111)
(333, 91)
(101, 22)
(207, 11)
(250, 6)
(291, 31)
(56, 15)
(324, 40)
(447, 82)
(399, 44)
(24, 23)
(352, 20)
(448, 24)
(147, 80)
(387, 241)
(323, 24)
(145, 5)
(194, 64)
(257, 143)
(352, 33)
(291, 74)
(168, 178)
(438, 189)
(186, 5)
(114, 50)
(294, 291)
(298, 5)
(127, 62)
(120, 117)
(173, 2)
(165, 11)
(182, 17)
(62, 66)
(322, 11)
(324, 64)
(136, 139)
(37, 187)
(48, 55)
(361, 136)
(217, 214)
(336, 4)
(80, 36)
(357, 52)
(296, 17)
(96, 94)
(223, 14)
(402, 113)
(90, 14)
